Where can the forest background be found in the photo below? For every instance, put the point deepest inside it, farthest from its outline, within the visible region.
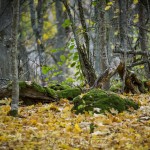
(71, 54)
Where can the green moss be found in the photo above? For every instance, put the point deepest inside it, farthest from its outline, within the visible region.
(59, 87)
(13, 113)
(103, 100)
(51, 92)
(22, 84)
(38, 87)
(69, 93)
(116, 87)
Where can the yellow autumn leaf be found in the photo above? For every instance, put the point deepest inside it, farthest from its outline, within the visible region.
(110, 3)
(69, 128)
(107, 7)
(66, 109)
(136, 18)
(39, 42)
(77, 129)
(54, 107)
(65, 146)
(45, 37)
(135, 1)
(33, 121)
(3, 138)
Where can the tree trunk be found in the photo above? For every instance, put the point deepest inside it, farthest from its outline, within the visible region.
(101, 51)
(37, 26)
(23, 59)
(15, 84)
(5, 44)
(60, 39)
(86, 65)
(144, 38)
(123, 34)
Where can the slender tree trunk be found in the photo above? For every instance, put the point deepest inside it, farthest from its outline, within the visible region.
(85, 30)
(86, 65)
(60, 38)
(144, 38)
(23, 60)
(5, 44)
(37, 27)
(15, 83)
(123, 33)
(100, 44)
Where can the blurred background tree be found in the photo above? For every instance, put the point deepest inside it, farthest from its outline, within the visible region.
(75, 40)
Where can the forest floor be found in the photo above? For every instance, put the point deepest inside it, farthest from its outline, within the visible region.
(54, 127)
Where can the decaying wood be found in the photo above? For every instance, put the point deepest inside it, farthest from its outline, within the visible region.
(28, 93)
(132, 83)
(108, 73)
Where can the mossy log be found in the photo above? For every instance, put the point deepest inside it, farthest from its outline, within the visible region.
(99, 101)
(31, 92)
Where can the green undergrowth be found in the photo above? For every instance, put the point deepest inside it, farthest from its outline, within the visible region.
(99, 101)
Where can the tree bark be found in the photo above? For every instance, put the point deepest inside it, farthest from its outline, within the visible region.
(86, 65)
(60, 39)
(85, 30)
(15, 84)
(144, 39)
(5, 44)
(107, 74)
(123, 34)
(37, 27)
(132, 83)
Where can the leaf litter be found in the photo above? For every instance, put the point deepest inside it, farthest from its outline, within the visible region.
(55, 127)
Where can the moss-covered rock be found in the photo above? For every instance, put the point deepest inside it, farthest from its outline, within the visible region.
(69, 93)
(99, 101)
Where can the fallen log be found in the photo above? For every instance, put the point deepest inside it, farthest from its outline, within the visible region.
(31, 92)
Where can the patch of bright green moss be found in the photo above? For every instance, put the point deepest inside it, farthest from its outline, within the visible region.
(59, 87)
(38, 87)
(51, 92)
(22, 84)
(102, 100)
(69, 93)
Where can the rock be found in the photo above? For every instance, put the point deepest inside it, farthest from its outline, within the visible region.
(99, 101)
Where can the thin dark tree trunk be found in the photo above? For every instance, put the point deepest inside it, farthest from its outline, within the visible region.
(60, 38)
(144, 38)
(86, 65)
(5, 44)
(123, 34)
(85, 30)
